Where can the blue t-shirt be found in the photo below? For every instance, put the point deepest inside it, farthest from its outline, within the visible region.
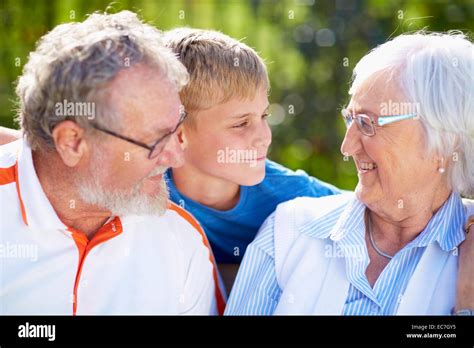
(231, 231)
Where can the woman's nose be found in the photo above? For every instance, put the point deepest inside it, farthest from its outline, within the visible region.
(351, 143)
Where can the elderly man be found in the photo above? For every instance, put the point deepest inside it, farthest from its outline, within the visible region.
(86, 225)
(392, 247)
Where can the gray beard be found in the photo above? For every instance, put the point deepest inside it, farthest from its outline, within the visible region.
(122, 202)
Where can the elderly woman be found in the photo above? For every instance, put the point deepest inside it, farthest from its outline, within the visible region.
(392, 246)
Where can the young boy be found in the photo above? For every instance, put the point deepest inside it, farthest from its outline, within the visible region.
(227, 182)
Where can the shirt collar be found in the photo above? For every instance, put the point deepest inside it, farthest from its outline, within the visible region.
(325, 224)
(445, 227)
(38, 211)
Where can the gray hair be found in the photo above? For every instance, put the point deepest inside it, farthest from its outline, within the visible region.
(436, 72)
(75, 61)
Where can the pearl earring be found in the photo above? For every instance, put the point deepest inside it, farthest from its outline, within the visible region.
(441, 169)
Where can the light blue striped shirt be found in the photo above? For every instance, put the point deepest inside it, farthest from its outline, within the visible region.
(256, 290)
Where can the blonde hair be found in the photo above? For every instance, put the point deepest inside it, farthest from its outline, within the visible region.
(75, 61)
(219, 66)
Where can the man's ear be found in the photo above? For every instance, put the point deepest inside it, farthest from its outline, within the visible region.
(68, 137)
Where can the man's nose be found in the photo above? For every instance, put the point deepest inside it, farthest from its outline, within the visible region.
(173, 154)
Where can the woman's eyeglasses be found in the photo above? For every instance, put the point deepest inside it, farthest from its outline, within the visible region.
(366, 123)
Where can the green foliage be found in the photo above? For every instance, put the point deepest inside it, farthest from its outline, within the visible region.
(310, 46)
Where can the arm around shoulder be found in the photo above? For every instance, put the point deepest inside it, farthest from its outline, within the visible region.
(8, 135)
(465, 286)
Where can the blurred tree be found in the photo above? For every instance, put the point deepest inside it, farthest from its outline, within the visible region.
(310, 46)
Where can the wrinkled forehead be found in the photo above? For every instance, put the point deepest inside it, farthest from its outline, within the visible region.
(375, 92)
(146, 101)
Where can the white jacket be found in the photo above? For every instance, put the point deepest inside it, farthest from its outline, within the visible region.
(313, 283)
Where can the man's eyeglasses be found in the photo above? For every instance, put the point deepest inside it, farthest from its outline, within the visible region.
(157, 147)
(366, 123)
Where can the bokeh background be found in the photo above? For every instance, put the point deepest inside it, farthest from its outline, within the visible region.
(310, 46)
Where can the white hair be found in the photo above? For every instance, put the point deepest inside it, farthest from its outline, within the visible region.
(435, 71)
(75, 61)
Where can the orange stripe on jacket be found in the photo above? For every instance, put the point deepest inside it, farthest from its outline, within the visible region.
(7, 175)
(84, 245)
(10, 175)
(189, 218)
